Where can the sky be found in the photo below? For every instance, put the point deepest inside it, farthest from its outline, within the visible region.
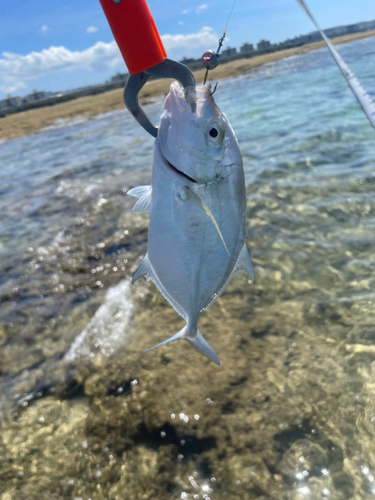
(57, 46)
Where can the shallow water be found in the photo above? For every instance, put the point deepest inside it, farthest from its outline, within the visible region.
(290, 413)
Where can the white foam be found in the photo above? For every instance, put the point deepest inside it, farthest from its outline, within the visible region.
(108, 329)
(65, 122)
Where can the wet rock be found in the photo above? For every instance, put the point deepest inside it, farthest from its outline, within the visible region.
(303, 460)
(290, 412)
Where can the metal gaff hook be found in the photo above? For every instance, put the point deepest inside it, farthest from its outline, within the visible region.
(143, 52)
(165, 69)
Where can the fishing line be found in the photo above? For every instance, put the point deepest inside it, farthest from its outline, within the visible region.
(210, 59)
(230, 13)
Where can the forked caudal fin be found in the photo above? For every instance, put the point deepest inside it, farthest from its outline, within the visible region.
(196, 340)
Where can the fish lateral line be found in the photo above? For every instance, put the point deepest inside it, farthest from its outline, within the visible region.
(201, 204)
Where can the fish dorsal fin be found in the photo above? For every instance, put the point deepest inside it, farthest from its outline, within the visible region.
(194, 197)
(144, 195)
(245, 263)
(145, 269)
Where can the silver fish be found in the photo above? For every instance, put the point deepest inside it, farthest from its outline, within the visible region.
(197, 204)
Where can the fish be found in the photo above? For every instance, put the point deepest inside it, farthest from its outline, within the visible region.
(197, 207)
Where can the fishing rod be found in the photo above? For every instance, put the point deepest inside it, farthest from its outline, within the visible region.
(364, 100)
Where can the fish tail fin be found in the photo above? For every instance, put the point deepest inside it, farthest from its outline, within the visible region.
(203, 347)
(197, 341)
(180, 335)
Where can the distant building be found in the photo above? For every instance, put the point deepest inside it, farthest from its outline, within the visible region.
(298, 41)
(187, 60)
(337, 31)
(229, 52)
(264, 45)
(119, 78)
(357, 28)
(362, 26)
(10, 102)
(36, 96)
(352, 28)
(247, 48)
(288, 44)
(314, 36)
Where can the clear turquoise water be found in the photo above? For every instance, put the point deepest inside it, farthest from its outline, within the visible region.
(68, 241)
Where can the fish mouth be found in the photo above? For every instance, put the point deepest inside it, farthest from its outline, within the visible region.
(178, 172)
(187, 177)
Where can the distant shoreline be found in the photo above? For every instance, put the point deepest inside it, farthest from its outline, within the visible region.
(33, 121)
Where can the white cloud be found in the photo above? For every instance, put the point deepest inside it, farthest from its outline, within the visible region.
(178, 46)
(44, 30)
(91, 29)
(184, 12)
(8, 85)
(181, 23)
(16, 70)
(200, 8)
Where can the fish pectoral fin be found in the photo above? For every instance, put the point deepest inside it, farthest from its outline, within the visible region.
(245, 263)
(144, 195)
(194, 197)
(203, 347)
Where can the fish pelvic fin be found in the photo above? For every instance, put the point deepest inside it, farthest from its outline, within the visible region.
(144, 195)
(196, 340)
(194, 197)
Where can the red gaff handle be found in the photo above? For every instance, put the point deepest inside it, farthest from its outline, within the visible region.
(135, 33)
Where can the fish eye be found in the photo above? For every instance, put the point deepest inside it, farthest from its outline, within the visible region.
(213, 132)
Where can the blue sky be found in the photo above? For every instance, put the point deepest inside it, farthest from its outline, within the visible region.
(56, 46)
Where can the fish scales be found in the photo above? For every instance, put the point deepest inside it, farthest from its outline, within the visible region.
(197, 204)
(184, 247)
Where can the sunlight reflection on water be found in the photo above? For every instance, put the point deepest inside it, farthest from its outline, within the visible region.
(290, 414)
